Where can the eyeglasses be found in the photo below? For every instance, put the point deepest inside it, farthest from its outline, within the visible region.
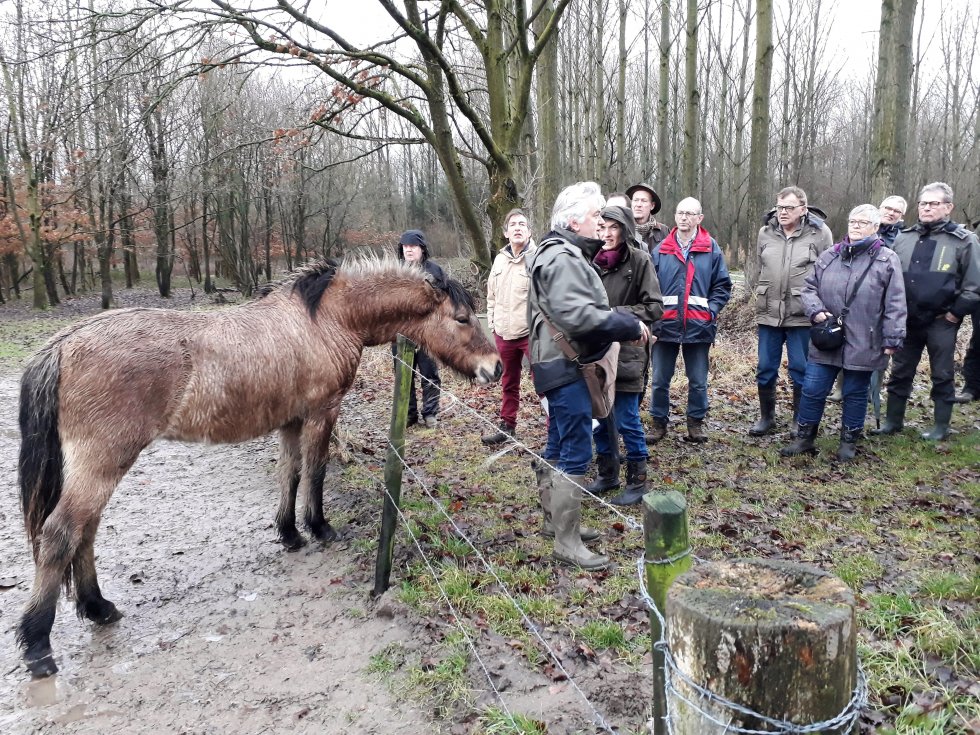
(788, 207)
(931, 205)
(687, 214)
(859, 223)
(894, 210)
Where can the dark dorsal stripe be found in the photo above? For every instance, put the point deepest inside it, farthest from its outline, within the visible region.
(312, 284)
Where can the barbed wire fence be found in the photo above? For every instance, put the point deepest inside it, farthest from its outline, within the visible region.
(695, 695)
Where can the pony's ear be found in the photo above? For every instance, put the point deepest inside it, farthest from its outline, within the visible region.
(435, 284)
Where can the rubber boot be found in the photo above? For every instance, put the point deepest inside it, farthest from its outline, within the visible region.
(837, 394)
(849, 439)
(658, 431)
(566, 504)
(544, 475)
(942, 413)
(797, 395)
(608, 478)
(894, 416)
(695, 431)
(967, 395)
(636, 484)
(803, 444)
(767, 411)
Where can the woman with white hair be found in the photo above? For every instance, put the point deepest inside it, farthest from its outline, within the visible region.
(858, 282)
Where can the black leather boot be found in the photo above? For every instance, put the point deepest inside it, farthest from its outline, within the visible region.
(608, 477)
(767, 411)
(797, 395)
(803, 444)
(849, 439)
(636, 484)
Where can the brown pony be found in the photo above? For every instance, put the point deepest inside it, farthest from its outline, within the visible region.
(101, 390)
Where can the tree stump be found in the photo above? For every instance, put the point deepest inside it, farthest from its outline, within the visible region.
(777, 638)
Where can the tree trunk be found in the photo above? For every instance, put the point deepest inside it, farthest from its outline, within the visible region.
(548, 135)
(775, 637)
(690, 180)
(663, 98)
(759, 152)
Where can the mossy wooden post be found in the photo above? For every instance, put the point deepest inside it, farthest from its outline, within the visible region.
(775, 637)
(667, 557)
(405, 349)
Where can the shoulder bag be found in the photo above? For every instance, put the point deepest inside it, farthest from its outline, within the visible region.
(828, 335)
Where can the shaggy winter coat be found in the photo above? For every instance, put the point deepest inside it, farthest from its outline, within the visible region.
(507, 289)
(876, 316)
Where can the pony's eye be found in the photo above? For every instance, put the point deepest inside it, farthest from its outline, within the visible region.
(463, 319)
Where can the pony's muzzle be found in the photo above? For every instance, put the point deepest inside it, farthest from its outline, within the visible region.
(484, 376)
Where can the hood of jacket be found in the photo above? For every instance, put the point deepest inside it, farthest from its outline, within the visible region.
(412, 237)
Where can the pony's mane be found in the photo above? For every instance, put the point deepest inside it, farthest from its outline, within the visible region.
(313, 279)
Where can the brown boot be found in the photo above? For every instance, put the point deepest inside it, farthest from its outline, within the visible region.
(658, 430)
(695, 431)
(566, 502)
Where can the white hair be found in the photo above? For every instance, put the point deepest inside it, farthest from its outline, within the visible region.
(896, 202)
(575, 202)
(868, 211)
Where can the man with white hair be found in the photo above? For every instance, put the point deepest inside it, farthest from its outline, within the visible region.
(696, 286)
(567, 302)
(892, 211)
(941, 266)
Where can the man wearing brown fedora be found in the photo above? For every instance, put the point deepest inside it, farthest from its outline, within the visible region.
(645, 203)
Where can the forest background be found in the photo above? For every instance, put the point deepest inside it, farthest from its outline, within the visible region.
(202, 139)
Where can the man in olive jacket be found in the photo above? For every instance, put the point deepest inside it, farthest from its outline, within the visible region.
(566, 291)
(941, 265)
(789, 244)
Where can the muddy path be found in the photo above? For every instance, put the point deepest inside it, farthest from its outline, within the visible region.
(223, 631)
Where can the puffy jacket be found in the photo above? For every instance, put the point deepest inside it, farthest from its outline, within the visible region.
(941, 264)
(875, 318)
(566, 288)
(507, 289)
(632, 287)
(784, 264)
(694, 290)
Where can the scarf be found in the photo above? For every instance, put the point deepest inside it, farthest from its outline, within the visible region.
(609, 259)
(643, 230)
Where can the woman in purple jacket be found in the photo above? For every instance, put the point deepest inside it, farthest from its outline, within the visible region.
(874, 327)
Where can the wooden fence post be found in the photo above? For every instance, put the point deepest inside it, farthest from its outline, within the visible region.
(405, 349)
(775, 637)
(668, 554)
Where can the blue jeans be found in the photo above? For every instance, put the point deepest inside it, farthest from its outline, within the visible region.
(696, 367)
(626, 410)
(817, 386)
(569, 445)
(771, 341)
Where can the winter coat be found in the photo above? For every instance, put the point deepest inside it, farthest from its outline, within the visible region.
(507, 289)
(941, 264)
(875, 318)
(888, 233)
(632, 287)
(655, 235)
(694, 290)
(784, 264)
(565, 287)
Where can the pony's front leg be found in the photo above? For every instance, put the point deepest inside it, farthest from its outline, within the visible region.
(316, 449)
(289, 467)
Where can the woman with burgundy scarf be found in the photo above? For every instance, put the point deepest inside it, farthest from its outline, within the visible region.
(631, 284)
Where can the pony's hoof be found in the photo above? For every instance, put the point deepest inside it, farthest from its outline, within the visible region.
(324, 532)
(41, 664)
(293, 541)
(100, 611)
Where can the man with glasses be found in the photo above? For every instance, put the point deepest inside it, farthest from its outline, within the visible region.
(941, 265)
(696, 286)
(892, 211)
(790, 242)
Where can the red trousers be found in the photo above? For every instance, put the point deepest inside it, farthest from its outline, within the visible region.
(512, 352)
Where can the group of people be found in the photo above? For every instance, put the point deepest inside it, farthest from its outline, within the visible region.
(608, 271)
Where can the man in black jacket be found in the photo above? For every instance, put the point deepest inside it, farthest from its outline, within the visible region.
(941, 265)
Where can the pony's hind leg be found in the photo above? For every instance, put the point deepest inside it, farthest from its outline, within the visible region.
(316, 445)
(89, 602)
(289, 467)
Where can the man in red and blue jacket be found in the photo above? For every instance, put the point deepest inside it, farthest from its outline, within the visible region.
(696, 286)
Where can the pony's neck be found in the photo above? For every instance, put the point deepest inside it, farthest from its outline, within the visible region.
(380, 309)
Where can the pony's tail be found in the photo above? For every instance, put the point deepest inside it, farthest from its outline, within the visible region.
(41, 463)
